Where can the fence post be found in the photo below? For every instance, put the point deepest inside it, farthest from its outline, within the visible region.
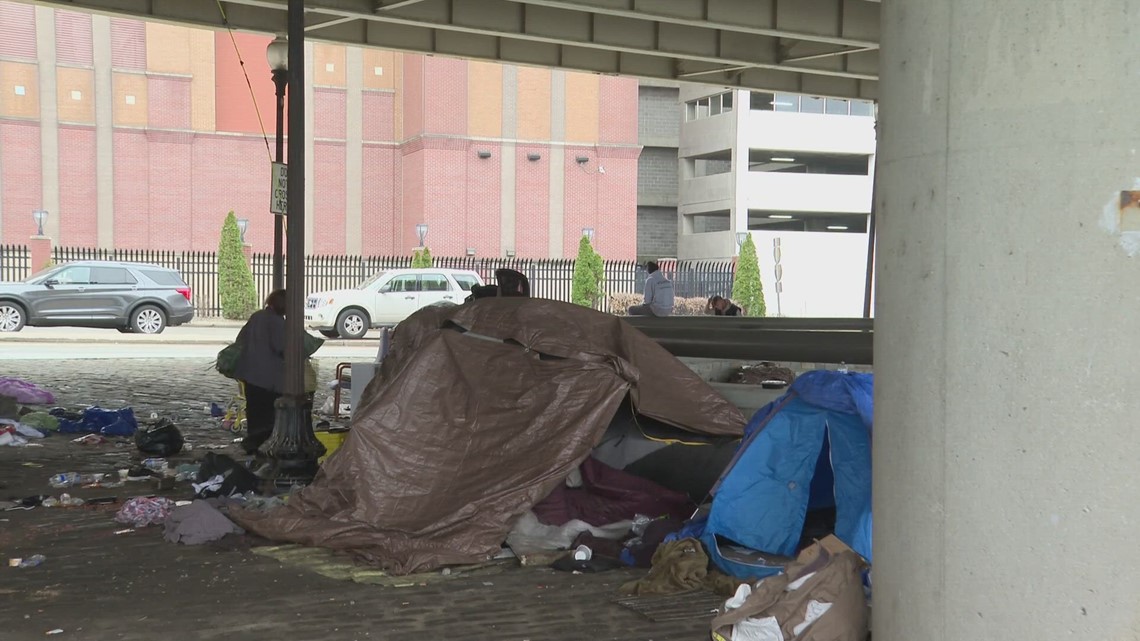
(40, 250)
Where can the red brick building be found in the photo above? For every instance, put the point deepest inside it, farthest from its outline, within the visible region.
(141, 135)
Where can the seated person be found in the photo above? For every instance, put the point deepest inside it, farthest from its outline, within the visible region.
(658, 294)
(721, 306)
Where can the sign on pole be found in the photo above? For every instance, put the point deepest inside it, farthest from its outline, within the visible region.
(279, 191)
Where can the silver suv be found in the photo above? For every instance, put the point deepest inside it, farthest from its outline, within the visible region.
(129, 297)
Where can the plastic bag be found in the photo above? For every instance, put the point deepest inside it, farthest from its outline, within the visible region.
(96, 420)
(163, 439)
(227, 360)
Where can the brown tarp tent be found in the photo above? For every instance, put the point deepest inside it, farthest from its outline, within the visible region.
(478, 412)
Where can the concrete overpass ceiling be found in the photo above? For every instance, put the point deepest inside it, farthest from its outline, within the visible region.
(822, 47)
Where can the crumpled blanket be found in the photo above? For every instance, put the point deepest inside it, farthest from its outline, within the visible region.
(143, 511)
(24, 392)
(678, 566)
(198, 523)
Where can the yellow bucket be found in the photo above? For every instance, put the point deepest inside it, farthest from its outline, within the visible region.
(331, 439)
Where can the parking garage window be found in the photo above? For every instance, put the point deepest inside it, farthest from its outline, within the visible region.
(709, 106)
(763, 101)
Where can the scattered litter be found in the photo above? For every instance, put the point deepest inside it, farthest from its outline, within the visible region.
(55, 631)
(90, 439)
(187, 471)
(41, 421)
(24, 392)
(161, 439)
(96, 420)
(15, 562)
(75, 479)
(32, 561)
(126, 531)
(156, 464)
(143, 511)
(198, 523)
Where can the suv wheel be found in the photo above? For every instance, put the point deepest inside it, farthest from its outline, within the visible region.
(353, 323)
(148, 320)
(11, 317)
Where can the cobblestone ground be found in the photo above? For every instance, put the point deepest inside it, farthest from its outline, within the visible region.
(98, 585)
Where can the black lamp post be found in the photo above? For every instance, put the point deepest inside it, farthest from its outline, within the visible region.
(292, 449)
(277, 53)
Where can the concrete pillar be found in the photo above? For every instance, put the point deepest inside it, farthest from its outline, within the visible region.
(1006, 404)
(557, 225)
(49, 119)
(354, 152)
(104, 132)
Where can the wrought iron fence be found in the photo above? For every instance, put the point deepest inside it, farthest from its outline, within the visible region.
(549, 278)
(14, 263)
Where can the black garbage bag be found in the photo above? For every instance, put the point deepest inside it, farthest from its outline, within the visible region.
(161, 439)
(220, 475)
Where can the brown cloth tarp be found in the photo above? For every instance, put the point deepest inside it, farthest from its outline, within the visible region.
(458, 436)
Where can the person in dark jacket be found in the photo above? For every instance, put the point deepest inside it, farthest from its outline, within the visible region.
(721, 306)
(261, 369)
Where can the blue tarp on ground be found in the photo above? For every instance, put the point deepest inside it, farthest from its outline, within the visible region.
(810, 449)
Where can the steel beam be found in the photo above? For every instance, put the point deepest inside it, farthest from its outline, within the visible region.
(585, 39)
(717, 323)
(853, 348)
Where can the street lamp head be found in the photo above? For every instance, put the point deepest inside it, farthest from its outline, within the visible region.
(741, 236)
(421, 232)
(277, 53)
(39, 215)
(588, 232)
(243, 224)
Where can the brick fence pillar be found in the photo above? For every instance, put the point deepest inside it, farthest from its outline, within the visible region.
(247, 251)
(39, 250)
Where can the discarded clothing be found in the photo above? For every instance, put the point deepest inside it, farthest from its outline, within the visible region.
(766, 629)
(143, 511)
(9, 438)
(530, 535)
(609, 495)
(24, 392)
(220, 475)
(678, 567)
(96, 420)
(27, 431)
(41, 421)
(819, 598)
(198, 523)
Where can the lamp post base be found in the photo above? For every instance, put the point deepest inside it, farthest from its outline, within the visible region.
(292, 450)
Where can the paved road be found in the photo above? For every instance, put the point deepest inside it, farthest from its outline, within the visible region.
(40, 343)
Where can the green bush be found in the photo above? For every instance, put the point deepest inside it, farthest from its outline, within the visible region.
(621, 302)
(748, 290)
(421, 258)
(236, 289)
(589, 274)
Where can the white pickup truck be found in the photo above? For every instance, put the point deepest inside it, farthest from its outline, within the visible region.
(385, 299)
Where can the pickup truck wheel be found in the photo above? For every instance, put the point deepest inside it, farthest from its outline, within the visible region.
(353, 323)
(11, 317)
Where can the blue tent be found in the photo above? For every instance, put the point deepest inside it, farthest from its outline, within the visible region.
(810, 449)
